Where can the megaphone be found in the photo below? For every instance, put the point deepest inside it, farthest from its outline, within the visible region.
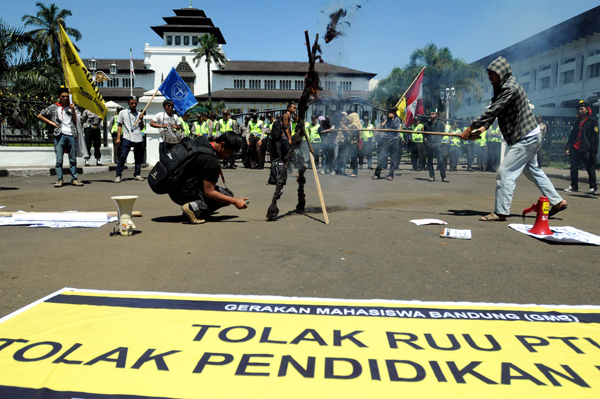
(542, 208)
(125, 209)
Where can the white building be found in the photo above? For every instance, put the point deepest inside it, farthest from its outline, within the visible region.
(557, 68)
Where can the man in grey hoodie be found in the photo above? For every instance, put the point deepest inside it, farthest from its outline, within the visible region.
(523, 135)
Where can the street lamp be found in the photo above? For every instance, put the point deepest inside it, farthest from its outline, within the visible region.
(446, 96)
(93, 67)
(112, 69)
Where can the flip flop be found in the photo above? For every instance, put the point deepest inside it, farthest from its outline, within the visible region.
(390, 178)
(375, 177)
(353, 175)
(492, 217)
(558, 208)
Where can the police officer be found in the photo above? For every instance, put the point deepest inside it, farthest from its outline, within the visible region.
(367, 139)
(446, 145)
(417, 156)
(113, 127)
(315, 138)
(494, 144)
(227, 125)
(481, 151)
(455, 145)
(254, 136)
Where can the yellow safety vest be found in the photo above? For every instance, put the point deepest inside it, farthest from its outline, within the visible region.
(418, 137)
(495, 139)
(367, 134)
(204, 129)
(482, 140)
(315, 137)
(197, 128)
(115, 125)
(455, 142)
(186, 128)
(255, 128)
(225, 126)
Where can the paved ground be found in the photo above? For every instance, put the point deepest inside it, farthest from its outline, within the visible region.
(369, 250)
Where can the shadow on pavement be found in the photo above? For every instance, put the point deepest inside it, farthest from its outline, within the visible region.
(8, 188)
(169, 219)
(465, 212)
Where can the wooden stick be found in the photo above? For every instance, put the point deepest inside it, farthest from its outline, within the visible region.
(144, 110)
(8, 214)
(393, 130)
(321, 199)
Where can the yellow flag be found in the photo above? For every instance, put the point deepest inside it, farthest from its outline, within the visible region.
(401, 109)
(79, 80)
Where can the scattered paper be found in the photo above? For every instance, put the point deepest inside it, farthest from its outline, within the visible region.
(423, 222)
(58, 220)
(2, 206)
(563, 235)
(454, 233)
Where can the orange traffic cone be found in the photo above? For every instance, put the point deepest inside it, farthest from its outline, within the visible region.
(541, 221)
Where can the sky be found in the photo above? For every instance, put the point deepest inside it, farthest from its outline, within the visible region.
(381, 34)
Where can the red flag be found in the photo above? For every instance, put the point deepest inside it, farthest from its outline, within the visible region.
(414, 100)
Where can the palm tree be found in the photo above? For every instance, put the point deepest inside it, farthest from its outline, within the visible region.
(48, 20)
(209, 48)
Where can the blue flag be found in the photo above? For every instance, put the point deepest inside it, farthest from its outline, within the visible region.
(175, 89)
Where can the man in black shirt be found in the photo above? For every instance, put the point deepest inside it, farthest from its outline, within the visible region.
(582, 147)
(434, 145)
(197, 191)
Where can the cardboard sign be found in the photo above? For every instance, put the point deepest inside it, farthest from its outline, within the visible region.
(99, 344)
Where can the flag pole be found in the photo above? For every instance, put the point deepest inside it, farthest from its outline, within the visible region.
(130, 73)
(413, 82)
(144, 110)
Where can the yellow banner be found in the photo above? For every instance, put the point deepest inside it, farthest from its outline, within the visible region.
(100, 344)
(401, 109)
(79, 80)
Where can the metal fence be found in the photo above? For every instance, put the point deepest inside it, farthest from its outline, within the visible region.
(34, 133)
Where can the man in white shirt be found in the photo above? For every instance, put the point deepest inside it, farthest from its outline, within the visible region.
(129, 134)
(62, 118)
(169, 127)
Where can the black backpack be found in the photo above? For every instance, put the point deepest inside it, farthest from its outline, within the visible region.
(277, 168)
(167, 173)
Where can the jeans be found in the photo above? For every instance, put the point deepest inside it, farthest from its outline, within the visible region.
(138, 154)
(193, 193)
(522, 157)
(389, 148)
(586, 158)
(61, 143)
(438, 153)
(327, 151)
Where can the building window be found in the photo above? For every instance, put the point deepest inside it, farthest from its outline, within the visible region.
(299, 85)
(569, 76)
(525, 87)
(594, 52)
(595, 70)
(100, 84)
(527, 73)
(239, 83)
(114, 82)
(178, 40)
(545, 82)
(569, 60)
(169, 40)
(545, 67)
(127, 82)
(186, 40)
(195, 40)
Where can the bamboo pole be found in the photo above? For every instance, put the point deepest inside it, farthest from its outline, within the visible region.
(394, 131)
(144, 110)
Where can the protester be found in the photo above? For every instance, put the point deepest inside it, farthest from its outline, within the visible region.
(169, 127)
(327, 138)
(582, 147)
(340, 144)
(244, 131)
(253, 137)
(523, 136)
(129, 134)
(434, 146)
(91, 129)
(353, 137)
(389, 146)
(198, 193)
(63, 119)
(315, 138)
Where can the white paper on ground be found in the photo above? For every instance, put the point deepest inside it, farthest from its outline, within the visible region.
(454, 233)
(2, 206)
(58, 220)
(423, 222)
(563, 235)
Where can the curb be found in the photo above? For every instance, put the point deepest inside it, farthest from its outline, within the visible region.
(51, 171)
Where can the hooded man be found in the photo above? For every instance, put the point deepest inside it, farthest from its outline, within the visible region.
(521, 133)
(582, 146)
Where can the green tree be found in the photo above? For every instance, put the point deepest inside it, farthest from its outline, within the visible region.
(48, 20)
(210, 50)
(442, 70)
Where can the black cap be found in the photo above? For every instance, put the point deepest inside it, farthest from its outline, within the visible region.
(132, 98)
(392, 110)
(583, 104)
(314, 116)
(269, 115)
(225, 112)
(254, 115)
